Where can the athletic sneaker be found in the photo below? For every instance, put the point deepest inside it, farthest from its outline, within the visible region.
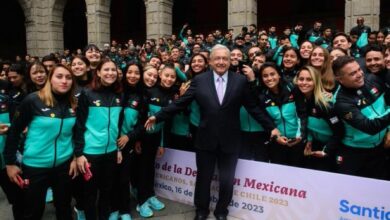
(144, 210)
(80, 214)
(155, 203)
(114, 215)
(49, 195)
(126, 217)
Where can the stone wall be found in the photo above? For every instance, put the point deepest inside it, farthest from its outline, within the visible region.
(368, 9)
(44, 23)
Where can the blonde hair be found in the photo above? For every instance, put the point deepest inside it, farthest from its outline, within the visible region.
(327, 76)
(318, 91)
(46, 93)
(148, 67)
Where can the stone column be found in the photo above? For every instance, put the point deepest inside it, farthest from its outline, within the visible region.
(44, 26)
(158, 18)
(98, 19)
(241, 13)
(368, 9)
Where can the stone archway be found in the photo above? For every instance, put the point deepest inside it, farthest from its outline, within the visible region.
(202, 16)
(128, 21)
(13, 37)
(384, 14)
(331, 13)
(75, 25)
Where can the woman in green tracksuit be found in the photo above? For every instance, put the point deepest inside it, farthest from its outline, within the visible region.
(324, 129)
(198, 65)
(49, 116)
(133, 114)
(97, 131)
(11, 190)
(153, 141)
(278, 98)
(185, 123)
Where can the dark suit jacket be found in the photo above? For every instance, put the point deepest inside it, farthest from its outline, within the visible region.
(219, 125)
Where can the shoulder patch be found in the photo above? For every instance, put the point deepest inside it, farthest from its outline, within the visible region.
(334, 120)
(348, 116)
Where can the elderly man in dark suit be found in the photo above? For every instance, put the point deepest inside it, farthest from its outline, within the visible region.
(220, 94)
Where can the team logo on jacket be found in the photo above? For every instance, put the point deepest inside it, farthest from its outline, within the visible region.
(155, 99)
(45, 109)
(96, 102)
(52, 115)
(118, 101)
(16, 95)
(134, 104)
(291, 98)
(374, 91)
(71, 111)
(348, 116)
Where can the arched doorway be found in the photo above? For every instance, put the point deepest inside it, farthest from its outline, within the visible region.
(384, 13)
(75, 25)
(128, 21)
(202, 16)
(13, 31)
(286, 13)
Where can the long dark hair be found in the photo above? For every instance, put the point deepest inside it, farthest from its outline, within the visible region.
(191, 74)
(89, 73)
(31, 87)
(96, 81)
(125, 84)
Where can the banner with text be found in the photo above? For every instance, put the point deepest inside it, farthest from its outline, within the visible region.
(270, 191)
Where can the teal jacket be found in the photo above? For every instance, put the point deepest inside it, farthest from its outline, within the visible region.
(97, 124)
(248, 123)
(133, 114)
(49, 135)
(4, 118)
(323, 127)
(364, 112)
(282, 109)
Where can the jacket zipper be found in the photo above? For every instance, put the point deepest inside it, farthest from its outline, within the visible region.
(283, 121)
(108, 128)
(55, 141)
(109, 122)
(373, 109)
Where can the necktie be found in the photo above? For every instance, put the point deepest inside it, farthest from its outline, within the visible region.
(220, 89)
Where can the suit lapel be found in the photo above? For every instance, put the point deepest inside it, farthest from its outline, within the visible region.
(213, 90)
(229, 86)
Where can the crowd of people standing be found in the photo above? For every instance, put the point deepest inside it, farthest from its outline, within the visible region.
(75, 122)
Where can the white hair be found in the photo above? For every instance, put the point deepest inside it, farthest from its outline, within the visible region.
(219, 47)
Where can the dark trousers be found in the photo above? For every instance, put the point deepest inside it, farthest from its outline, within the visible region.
(120, 197)
(193, 132)
(254, 147)
(363, 162)
(13, 194)
(78, 192)
(180, 142)
(387, 153)
(102, 167)
(205, 162)
(327, 163)
(147, 158)
(40, 180)
(285, 155)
